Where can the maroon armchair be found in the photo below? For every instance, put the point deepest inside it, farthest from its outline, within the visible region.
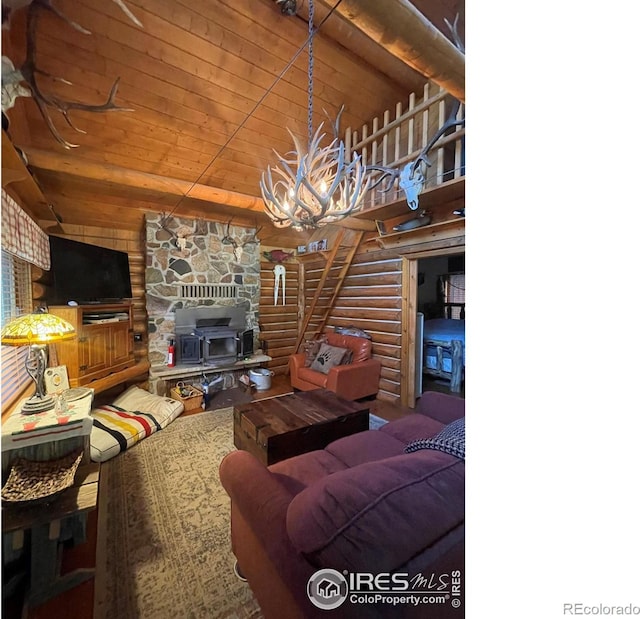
(356, 380)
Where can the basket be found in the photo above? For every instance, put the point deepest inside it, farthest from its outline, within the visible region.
(189, 395)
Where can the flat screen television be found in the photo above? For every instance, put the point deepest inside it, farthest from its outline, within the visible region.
(87, 273)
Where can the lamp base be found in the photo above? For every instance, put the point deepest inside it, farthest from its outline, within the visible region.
(36, 404)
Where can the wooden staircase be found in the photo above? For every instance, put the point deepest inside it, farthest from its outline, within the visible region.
(320, 313)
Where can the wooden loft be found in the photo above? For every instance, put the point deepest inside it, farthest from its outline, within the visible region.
(394, 141)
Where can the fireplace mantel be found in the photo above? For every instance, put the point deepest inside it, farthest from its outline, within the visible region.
(160, 375)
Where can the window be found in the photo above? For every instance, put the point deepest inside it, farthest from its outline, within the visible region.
(454, 295)
(16, 300)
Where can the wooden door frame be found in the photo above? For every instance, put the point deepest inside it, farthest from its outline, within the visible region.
(409, 312)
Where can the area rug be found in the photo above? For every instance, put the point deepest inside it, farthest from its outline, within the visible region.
(164, 545)
(376, 422)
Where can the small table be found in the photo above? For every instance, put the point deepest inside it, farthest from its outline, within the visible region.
(41, 437)
(47, 435)
(51, 523)
(289, 425)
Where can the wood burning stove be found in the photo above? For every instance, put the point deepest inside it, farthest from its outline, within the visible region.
(245, 344)
(189, 349)
(212, 339)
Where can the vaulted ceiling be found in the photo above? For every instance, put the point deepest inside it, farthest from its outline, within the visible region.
(201, 77)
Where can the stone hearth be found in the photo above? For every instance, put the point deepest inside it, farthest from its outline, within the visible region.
(189, 266)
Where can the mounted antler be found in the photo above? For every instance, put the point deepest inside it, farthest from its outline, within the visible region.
(8, 6)
(227, 239)
(28, 71)
(453, 28)
(201, 227)
(411, 177)
(451, 121)
(180, 235)
(253, 239)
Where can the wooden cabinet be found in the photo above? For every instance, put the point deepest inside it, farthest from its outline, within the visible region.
(104, 342)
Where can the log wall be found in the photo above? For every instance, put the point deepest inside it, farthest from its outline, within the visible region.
(370, 299)
(279, 323)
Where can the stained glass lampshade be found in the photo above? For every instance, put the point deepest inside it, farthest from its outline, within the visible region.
(36, 331)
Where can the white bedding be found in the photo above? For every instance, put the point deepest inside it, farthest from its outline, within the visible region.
(444, 330)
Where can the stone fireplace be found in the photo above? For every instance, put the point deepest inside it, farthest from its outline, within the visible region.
(188, 267)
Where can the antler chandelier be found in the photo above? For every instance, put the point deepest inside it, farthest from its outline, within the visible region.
(311, 189)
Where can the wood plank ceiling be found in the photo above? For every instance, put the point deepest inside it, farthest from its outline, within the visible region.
(198, 76)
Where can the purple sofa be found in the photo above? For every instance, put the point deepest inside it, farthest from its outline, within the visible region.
(360, 505)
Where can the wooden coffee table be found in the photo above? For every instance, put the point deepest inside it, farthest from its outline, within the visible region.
(289, 425)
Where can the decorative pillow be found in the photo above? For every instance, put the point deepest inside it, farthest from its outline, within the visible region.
(134, 415)
(328, 357)
(312, 348)
(449, 440)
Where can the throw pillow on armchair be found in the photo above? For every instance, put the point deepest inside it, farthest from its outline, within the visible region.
(328, 357)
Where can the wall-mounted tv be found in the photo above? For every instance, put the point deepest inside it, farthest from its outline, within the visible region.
(87, 273)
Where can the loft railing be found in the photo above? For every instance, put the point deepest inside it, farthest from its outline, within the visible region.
(402, 139)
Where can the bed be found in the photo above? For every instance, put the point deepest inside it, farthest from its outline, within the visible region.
(444, 350)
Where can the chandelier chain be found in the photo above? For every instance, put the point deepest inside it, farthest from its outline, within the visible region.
(310, 73)
(309, 189)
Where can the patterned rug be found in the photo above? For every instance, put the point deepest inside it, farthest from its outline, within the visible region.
(164, 547)
(375, 422)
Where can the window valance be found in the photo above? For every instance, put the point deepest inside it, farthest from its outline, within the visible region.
(21, 236)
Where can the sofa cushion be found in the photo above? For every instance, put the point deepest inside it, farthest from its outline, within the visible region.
(133, 416)
(296, 473)
(411, 428)
(365, 447)
(380, 513)
(328, 356)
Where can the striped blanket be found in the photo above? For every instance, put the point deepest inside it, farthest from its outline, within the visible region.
(116, 428)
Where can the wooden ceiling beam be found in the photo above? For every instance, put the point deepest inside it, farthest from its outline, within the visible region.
(341, 31)
(67, 164)
(406, 33)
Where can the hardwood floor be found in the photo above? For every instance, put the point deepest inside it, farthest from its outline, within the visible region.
(77, 603)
